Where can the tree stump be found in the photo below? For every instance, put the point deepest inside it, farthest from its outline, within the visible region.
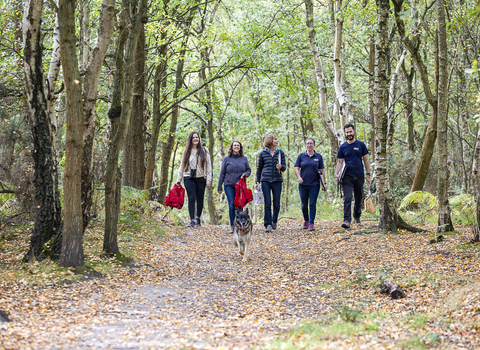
(4, 316)
(392, 290)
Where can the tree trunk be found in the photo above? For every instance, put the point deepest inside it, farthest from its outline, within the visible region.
(413, 46)
(371, 69)
(90, 91)
(337, 53)
(119, 131)
(84, 32)
(48, 220)
(134, 152)
(390, 221)
(159, 85)
(172, 168)
(167, 154)
(72, 245)
(408, 106)
(444, 218)
(211, 137)
(476, 177)
(392, 98)
(322, 89)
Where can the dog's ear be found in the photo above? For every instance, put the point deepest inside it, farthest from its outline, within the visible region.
(246, 211)
(237, 211)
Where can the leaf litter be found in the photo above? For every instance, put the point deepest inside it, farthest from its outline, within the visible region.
(191, 290)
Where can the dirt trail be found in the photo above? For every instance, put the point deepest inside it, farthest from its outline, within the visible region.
(191, 290)
(194, 292)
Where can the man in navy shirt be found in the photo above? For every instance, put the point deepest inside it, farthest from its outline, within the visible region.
(352, 152)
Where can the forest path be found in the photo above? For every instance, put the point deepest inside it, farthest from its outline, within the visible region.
(210, 298)
(190, 289)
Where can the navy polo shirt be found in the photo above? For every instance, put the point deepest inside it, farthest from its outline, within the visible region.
(309, 167)
(352, 154)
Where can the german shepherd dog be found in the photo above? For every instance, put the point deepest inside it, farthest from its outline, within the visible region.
(242, 232)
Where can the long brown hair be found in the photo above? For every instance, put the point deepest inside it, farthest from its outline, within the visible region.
(188, 151)
(230, 149)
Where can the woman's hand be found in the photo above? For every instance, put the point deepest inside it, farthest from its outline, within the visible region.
(220, 191)
(242, 177)
(300, 180)
(209, 183)
(279, 166)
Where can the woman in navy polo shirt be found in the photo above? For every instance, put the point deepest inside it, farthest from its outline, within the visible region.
(306, 168)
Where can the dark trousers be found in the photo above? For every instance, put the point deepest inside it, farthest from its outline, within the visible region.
(271, 189)
(352, 184)
(308, 198)
(230, 193)
(196, 194)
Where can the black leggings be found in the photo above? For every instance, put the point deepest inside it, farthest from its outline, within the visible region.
(196, 193)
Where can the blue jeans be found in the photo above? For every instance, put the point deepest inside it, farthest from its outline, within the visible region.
(230, 193)
(352, 184)
(308, 197)
(271, 189)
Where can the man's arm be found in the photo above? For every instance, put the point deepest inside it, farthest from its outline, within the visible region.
(337, 169)
(367, 168)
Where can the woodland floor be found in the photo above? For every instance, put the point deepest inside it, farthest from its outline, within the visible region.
(299, 289)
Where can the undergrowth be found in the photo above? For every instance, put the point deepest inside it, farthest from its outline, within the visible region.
(138, 228)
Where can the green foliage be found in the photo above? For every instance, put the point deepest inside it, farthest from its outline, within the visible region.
(346, 312)
(463, 209)
(321, 332)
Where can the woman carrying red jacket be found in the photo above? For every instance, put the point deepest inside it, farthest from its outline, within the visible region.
(234, 167)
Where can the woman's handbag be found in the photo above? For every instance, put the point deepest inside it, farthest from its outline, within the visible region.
(258, 195)
(370, 204)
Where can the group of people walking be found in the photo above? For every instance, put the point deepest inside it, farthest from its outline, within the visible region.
(196, 172)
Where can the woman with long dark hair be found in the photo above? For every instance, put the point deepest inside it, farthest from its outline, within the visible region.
(196, 172)
(271, 164)
(234, 167)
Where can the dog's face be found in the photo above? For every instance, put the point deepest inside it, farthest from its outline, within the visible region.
(242, 218)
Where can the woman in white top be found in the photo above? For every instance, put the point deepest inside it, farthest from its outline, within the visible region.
(196, 171)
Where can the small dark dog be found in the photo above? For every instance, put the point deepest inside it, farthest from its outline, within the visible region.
(242, 232)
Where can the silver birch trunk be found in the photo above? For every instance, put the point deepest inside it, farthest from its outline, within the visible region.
(390, 221)
(48, 220)
(444, 217)
(333, 136)
(337, 63)
(476, 177)
(84, 32)
(392, 96)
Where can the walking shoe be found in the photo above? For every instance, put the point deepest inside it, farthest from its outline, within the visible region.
(305, 225)
(357, 220)
(192, 224)
(274, 225)
(268, 228)
(197, 221)
(311, 227)
(231, 230)
(346, 224)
